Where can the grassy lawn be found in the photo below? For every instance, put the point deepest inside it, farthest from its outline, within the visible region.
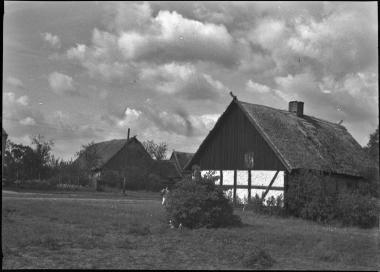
(61, 233)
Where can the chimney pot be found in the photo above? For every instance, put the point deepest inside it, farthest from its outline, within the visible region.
(296, 107)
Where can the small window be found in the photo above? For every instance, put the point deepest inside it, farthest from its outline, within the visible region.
(249, 160)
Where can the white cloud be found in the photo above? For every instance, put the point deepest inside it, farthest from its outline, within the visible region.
(10, 98)
(61, 83)
(269, 33)
(77, 52)
(53, 40)
(171, 37)
(182, 80)
(28, 121)
(23, 100)
(130, 116)
(257, 87)
(15, 82)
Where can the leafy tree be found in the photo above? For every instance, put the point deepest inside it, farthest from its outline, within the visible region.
(372, 148)
(156, 151)
(41, 156)
(17, 161)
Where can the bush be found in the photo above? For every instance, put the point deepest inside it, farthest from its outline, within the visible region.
(199, 203)
(357, 209)
(308, 198)
(272, 206)
(35, 184)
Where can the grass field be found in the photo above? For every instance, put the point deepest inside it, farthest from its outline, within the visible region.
(106, 230)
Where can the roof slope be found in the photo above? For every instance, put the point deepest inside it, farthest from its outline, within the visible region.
(181, 159)
(106, 150)
(305, 142)
(165, 168)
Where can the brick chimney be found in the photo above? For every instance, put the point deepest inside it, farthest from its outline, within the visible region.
(297, 107)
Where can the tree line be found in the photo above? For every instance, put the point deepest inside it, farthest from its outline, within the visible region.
(23, 162)
(36, 162)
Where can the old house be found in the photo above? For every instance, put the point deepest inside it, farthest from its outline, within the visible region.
(180, 159)
(166, 169)
(256, 149)
(126, 157)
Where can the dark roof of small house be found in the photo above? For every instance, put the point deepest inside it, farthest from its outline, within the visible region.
(165, 168)
(108, 149)
(4, 133)
(181, 159)
(305, 142)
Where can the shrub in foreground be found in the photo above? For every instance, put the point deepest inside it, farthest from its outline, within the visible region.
(199, 203)
(357, 209)
(309, 198)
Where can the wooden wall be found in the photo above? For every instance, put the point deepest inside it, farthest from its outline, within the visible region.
(231, 140)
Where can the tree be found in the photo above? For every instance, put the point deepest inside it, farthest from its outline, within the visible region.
(17, 161)
(372, 148)
(156, 151)
(41, 156)
(25, 162)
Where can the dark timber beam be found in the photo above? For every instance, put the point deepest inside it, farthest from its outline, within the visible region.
(273, 188)
(270, 184)
(249, 185)
(235, 185)
(221, 177)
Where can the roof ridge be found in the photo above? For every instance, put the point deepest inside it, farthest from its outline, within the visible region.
(286, 111)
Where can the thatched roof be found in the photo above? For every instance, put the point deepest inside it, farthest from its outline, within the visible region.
(180, 159)
(106, 150)
(305, 142)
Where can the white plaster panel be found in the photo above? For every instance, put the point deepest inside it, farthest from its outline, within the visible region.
(242, 177)
(263, 178)
(228, 177)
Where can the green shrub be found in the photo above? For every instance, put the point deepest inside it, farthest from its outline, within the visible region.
(35, 184)
(199, 203)
(272, 206)
(357, 209)
(308, 198)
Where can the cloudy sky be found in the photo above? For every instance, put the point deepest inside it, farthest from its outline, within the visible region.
(82, 71)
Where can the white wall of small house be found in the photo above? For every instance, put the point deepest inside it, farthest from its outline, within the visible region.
(258, 178)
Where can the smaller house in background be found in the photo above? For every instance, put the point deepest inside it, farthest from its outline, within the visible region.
(166, 169)
(127, 157)
(180, 159)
